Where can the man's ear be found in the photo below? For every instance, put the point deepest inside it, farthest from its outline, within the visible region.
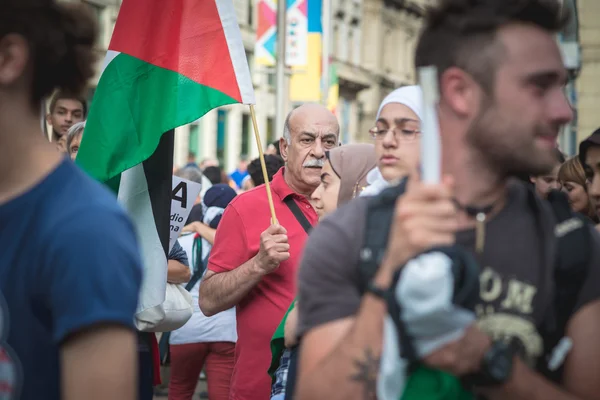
(532, 179)
(283, 148)
(49, 119)
(460, 92)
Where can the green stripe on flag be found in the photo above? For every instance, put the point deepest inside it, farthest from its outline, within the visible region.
(134, 104)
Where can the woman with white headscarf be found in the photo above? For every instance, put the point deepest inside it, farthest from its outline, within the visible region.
(396, 134)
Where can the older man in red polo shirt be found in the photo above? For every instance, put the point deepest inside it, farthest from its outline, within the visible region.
(253, 263)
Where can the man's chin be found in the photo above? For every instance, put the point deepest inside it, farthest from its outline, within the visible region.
(313, 171)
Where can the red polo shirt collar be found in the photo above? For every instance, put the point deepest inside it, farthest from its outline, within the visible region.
(279, 185)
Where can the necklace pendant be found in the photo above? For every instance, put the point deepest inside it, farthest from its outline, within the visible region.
(480, 232)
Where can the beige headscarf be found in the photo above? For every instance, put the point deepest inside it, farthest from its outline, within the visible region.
(352, 163)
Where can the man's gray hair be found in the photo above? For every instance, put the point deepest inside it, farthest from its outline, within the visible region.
(73, 132)
(190, 173)
(286, 128)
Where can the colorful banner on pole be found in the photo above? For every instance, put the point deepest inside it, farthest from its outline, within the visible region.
(305, 83)
(266, 33)
(296, 46)
(296, 33)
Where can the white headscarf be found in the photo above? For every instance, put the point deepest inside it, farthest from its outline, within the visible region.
(411, 97)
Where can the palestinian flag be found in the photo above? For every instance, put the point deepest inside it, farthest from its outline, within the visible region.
(168, 64)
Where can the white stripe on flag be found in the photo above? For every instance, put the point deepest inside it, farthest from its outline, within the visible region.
(135, 198)
(233, 36)
(110, 55)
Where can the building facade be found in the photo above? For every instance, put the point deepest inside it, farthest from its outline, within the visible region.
(588, 82)
(372, 44)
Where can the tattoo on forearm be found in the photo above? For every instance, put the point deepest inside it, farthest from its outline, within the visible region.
(367, 369)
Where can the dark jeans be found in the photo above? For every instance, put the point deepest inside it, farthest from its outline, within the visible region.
(292, 372)
(145, 368)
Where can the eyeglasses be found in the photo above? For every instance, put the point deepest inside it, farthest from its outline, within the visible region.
(398, 132)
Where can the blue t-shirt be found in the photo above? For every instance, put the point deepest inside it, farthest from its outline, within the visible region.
(69, 259)
(238, 177)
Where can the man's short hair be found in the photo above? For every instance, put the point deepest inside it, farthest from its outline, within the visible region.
(287, 135)
(462, 33)
(273, 164)
(73, 132)
(190, 173)
(64, 95)
(277, 149)
(213, 174)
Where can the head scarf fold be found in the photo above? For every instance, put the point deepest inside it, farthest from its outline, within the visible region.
(351, 163)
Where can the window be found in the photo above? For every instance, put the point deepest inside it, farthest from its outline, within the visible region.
(271, 78)
(270, 130)
(356, 46)
(245, 148)
(350, 48)
(250, 58)
(194, 140)
(250, 12)
(221, 135)
(343, 34)
(336, 39)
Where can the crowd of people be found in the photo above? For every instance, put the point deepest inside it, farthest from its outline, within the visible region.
(311, 302)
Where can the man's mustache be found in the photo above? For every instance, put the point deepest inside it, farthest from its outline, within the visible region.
(314, 163)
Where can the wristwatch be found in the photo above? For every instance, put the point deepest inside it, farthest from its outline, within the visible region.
(496, 365)
(377, 291)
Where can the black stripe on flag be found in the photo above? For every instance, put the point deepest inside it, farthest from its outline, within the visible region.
(158, 169)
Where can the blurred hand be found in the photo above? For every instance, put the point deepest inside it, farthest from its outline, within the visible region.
(462, 356)
(425, 217)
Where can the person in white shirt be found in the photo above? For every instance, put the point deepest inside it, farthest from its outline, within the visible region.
(204, 342)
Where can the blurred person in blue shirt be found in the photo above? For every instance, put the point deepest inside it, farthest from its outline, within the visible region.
(70, 269)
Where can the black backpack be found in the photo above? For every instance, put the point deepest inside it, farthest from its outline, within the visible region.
(573, 251)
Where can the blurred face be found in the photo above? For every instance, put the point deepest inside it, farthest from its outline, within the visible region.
(313, 131)
(271, 149)
(517, 127)
(578, 197)
(592, 172)
(397, 141)
(66, 113)
(74, 147)
(325, 197)
(545, 183)
(61, 144)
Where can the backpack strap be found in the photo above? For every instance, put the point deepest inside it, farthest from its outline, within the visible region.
(380, 212)
(199, 263)
(571, 267)
(574, 249)
(300, 217)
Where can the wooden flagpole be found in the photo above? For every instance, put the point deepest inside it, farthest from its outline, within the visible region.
(261, 156)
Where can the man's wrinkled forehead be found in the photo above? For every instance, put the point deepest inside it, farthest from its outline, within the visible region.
(316, 125)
